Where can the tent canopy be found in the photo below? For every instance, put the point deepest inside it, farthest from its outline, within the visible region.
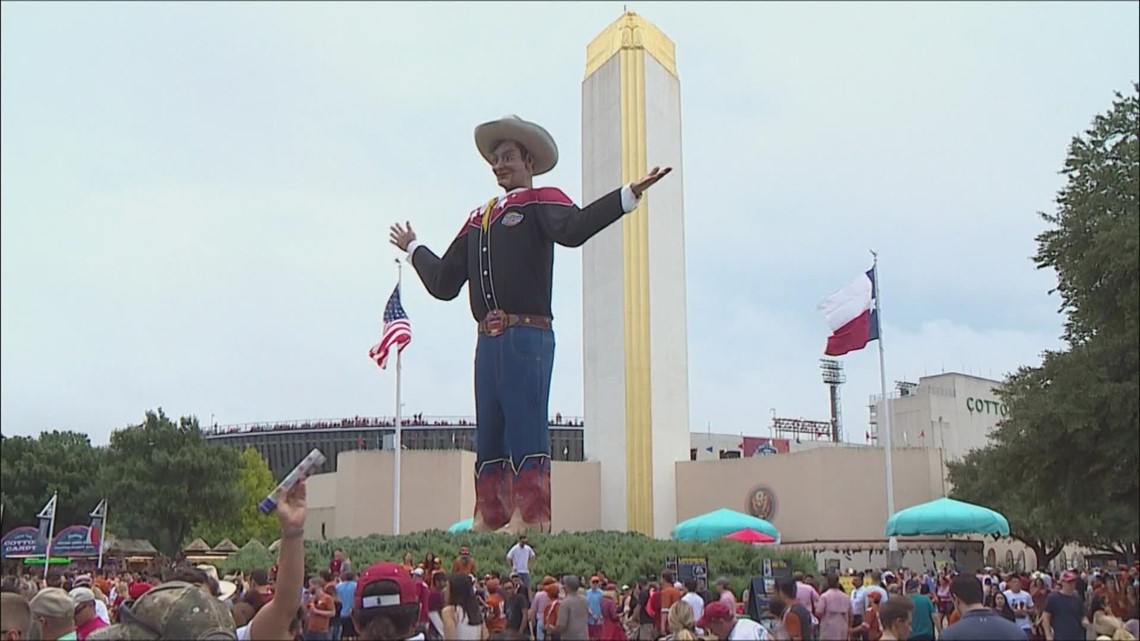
(720, 523)
(225, 546)
(461, 526)
(751, 536)
(946, 516)
(197, 546)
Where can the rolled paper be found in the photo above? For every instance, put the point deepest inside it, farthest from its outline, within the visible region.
(304, 470)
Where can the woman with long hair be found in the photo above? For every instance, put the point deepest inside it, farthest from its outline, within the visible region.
(550, 613)
(943, 601)
(1001, 606)
(682, 626)
(463, 615)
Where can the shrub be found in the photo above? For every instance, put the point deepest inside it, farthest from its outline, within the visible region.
(623, 556)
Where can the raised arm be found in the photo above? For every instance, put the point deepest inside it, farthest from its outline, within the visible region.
(443, 277)
(565, 223)
(272, 621)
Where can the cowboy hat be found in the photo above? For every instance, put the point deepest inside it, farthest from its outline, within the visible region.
(534, 138)
(226, 589)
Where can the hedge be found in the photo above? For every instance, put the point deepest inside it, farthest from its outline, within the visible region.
(623, 556)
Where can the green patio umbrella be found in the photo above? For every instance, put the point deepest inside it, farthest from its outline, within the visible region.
(462, 526)
(720, 523)
(946, 516)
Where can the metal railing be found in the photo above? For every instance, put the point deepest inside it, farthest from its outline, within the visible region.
(366, 422)
(919, 391)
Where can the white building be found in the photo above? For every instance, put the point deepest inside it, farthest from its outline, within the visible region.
(954, 412)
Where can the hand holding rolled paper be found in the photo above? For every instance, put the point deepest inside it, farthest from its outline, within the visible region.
(284, 491)
(291, 511)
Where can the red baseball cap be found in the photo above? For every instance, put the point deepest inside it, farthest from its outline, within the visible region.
(1068, 576)
(138, 589)
(385, 585)
(715, 611)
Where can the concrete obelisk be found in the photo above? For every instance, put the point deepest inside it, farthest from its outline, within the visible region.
(634, 330)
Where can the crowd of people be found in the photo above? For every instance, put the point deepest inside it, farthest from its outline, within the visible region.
(424, 600)
(415, 420)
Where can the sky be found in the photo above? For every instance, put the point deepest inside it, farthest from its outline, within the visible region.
(195, 197)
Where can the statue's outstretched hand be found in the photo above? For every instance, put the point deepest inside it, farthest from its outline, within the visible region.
(650, 179)
(402, 235)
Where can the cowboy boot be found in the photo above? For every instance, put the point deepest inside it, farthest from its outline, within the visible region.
(491, 511)
(532, 495)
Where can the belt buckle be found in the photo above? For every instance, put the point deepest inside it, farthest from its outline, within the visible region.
(495, 322)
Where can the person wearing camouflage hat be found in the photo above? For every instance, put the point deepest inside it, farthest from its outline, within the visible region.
(174, 610)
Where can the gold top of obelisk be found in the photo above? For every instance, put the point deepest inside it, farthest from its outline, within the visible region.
(631, 31)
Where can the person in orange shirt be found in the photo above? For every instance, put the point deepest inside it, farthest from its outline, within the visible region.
(669, 595)
(496, 618)
(322, 608)
(463, 564)
(409, 562)
(871, 625)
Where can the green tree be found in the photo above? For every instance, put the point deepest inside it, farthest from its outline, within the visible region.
(1068, 448)
(164, 479)
(1093, 245)
(991, 477)
(254, 482)
(31, 469)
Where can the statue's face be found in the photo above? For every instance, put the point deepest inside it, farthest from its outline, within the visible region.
(512, 165)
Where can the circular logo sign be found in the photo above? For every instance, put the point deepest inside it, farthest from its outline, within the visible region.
(762, 503)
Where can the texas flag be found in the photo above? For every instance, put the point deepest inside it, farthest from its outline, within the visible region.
(851, 314)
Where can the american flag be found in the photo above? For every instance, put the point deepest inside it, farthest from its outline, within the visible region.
(397, 331)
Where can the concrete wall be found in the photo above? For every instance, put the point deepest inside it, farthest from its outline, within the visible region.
(821, 494)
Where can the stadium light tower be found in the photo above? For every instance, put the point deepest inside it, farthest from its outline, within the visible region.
(833, 377)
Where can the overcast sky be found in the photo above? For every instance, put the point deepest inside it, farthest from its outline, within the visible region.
(196, 196)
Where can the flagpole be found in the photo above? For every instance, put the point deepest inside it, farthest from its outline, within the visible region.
(51, 533)
(103, 535)
(396, 440)
(893, 542)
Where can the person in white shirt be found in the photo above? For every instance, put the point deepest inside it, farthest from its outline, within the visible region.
(858, 601)
(1020, 602)
(520, 556)
(693, 599)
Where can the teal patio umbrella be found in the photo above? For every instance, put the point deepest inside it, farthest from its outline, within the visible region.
(719, 524)
(462, 526)
(946, 516)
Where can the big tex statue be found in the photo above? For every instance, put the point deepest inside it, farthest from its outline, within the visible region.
(505, 254)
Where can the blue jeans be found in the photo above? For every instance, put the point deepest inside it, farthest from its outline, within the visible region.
(512, 396)
(512, 433)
